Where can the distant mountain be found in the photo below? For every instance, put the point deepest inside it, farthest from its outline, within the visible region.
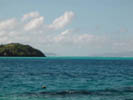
(19, 50)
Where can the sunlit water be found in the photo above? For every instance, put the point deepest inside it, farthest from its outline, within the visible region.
(80, 78)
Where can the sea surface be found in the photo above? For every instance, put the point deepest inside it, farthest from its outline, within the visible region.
(66, 78)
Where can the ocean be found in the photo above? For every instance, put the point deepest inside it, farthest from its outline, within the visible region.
(66, 78)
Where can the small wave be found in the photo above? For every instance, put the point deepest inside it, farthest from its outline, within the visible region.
(106, 92)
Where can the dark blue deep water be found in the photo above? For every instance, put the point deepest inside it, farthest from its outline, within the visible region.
(66, 78)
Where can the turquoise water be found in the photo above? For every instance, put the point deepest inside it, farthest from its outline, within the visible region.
(66, 78)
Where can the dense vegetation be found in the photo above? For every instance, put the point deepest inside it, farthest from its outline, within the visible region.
(19, 50)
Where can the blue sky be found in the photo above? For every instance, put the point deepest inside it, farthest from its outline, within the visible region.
(69, 27)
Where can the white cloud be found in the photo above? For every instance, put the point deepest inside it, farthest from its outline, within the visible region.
(124, 30)
(34, 23)
(71, 38)
(85, 38)
(62, 20)
(8, 24)
(30, 15)
(2, 33)
(66, 32)
(35, 32)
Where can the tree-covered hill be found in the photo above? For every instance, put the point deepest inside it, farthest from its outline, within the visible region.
(19, 50)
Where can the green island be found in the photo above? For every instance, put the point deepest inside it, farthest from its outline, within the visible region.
(19, 50)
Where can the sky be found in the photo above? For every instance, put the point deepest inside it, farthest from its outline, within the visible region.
(69, 27)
